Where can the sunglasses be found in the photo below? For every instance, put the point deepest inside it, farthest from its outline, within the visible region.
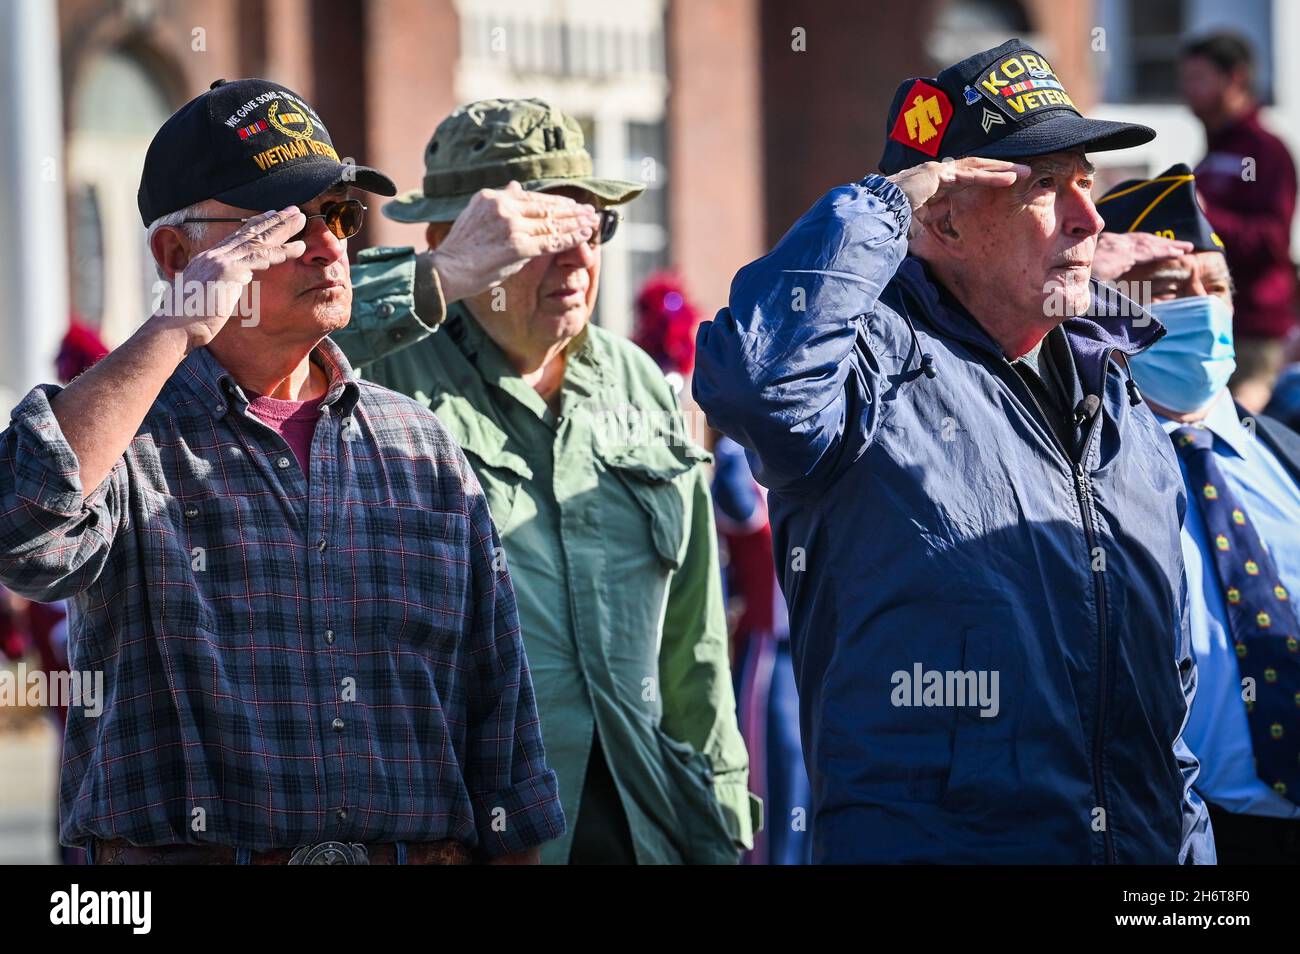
(343, 219)
(609, 220)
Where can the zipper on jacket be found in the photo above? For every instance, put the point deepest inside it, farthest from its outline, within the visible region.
(1083, 493)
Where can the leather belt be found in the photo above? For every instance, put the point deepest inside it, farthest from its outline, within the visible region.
(118, 851)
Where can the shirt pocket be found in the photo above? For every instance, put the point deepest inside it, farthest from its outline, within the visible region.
(410, 574)
(207, 557)
(986, 729)
(650, 476)
(501, 475)
(501, 472)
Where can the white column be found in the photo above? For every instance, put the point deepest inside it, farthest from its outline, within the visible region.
(33, 249)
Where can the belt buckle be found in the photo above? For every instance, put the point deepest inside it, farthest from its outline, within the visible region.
(330, 853)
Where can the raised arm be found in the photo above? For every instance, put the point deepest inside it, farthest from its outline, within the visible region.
(781, 369)
(59, 511)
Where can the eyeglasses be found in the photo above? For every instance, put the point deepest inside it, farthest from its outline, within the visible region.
(343, 219)
(609, 220)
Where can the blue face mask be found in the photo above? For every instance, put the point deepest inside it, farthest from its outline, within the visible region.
(1191, 364)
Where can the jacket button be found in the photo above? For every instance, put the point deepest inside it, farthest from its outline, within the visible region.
(385, 309)
(321, 545)
(282, 463)
(338, 725)
(709, 776)
(191, 512)
(329, 636)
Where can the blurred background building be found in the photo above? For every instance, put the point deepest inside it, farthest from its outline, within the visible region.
(736, 113)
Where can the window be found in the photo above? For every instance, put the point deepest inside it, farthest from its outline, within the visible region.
(116, 109)
(605, 65)
(1144, 38)
(646, 218)
(1156, 28)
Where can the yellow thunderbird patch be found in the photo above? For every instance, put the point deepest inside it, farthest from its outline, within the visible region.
(923, 118)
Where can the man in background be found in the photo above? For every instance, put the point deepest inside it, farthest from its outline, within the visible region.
(1247, 182)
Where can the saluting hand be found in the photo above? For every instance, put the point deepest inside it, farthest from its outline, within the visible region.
(930, 180)
(229, 266)
(501, 230)
(1118, 253)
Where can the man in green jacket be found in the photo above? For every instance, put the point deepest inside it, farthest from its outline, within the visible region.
(601, 501)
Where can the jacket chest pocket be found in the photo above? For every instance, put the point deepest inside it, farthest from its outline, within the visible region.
(650, 478)
(501, 476)
(408, 569)
(499, 470)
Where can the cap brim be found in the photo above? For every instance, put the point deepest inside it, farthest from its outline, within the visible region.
(1068, 130)
(301, 182)
(415, 206)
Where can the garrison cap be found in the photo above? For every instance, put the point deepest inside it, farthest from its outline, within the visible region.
(1166, 205)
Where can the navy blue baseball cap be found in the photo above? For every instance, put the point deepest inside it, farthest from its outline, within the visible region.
(1004, 103)
(249, 143)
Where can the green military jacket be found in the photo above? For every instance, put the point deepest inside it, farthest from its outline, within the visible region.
(607, 525)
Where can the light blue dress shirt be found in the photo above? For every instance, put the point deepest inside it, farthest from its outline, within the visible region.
(1216, 727)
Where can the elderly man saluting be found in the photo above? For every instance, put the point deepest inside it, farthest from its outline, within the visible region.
(976, 518)
(602, 502)
(288, 578)
(1240, 540)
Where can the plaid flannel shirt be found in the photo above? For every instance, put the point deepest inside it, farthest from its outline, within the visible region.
(284, 661)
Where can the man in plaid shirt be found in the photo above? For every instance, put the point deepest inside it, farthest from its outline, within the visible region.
(288, 578)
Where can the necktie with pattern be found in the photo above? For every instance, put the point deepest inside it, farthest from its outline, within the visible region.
(1261, 617)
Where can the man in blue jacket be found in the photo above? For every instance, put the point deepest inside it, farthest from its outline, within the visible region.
(976, 517)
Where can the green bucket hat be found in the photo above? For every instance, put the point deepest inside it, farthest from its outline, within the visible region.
(487, 144)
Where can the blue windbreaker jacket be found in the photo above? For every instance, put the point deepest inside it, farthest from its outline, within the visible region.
(930, 526)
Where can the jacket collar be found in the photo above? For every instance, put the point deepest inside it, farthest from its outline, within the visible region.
(1112, 325)
(584, 372)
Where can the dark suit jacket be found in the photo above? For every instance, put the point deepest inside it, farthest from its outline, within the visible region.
(1277, 437)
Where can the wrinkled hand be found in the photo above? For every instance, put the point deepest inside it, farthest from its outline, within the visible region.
(501, 230)
(1117, 253)
(934, 180)
(228, 267)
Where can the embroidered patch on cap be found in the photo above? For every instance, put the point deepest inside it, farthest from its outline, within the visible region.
(1023, 84)
(254, 129)
(923, 120)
